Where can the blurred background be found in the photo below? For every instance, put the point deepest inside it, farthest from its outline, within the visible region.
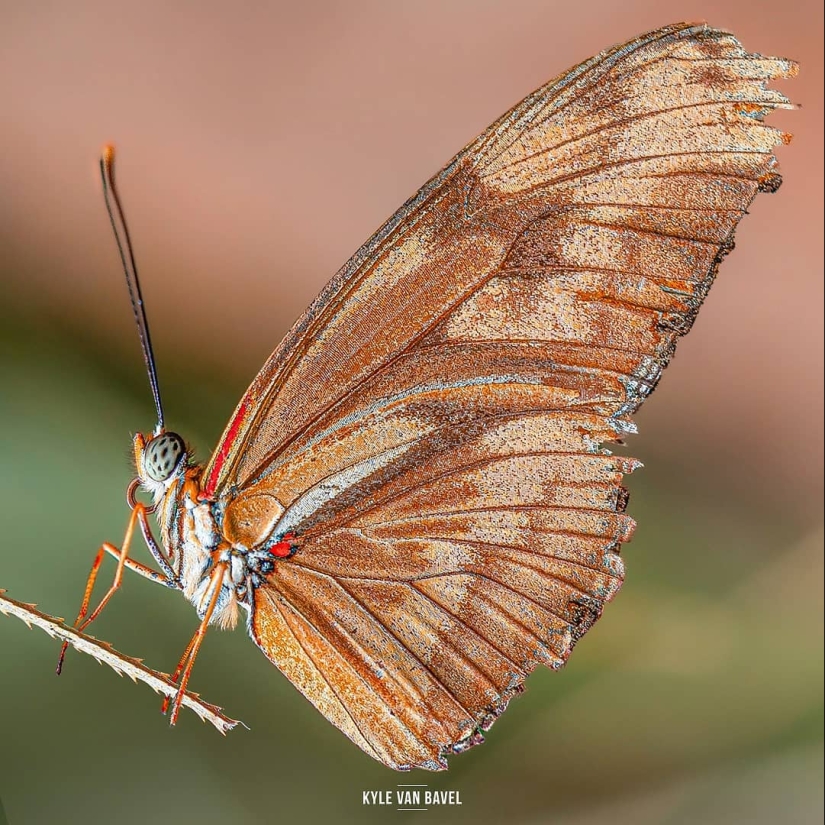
(259, 145)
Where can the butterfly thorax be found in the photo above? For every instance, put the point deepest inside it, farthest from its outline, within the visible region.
(198, 533)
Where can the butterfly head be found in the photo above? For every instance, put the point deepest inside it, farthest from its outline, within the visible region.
(160, 458)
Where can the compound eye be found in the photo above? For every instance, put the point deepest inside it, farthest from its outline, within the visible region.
(162, 455)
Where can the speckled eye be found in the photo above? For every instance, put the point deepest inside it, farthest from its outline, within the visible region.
(162, 455)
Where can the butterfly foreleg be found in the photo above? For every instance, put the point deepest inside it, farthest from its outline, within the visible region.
(123, 561)
(172, 578)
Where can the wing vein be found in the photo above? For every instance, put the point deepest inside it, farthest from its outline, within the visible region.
(620, 122)
(319, 669)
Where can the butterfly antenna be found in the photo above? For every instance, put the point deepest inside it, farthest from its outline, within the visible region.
(124, 245)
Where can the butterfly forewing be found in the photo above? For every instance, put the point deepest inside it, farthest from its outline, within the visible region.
(432, 425)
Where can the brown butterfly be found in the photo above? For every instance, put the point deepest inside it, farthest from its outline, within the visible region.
(411, 503)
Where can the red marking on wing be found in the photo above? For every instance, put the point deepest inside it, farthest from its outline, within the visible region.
(208, 489)
(284, 547)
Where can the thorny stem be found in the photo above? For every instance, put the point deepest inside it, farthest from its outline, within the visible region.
(103, 652)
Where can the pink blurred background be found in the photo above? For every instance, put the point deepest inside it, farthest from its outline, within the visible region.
(260, 144)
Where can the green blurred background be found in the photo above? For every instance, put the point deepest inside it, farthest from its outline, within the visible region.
(260, 144)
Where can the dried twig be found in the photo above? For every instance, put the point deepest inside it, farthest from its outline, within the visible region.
(104, 652)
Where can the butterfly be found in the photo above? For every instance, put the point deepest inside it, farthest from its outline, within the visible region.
(411, 505)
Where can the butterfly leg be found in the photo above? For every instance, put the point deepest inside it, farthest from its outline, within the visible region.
(187, 661)
(137, 567)
(155, 549)
(81, 622)
(176, 675)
